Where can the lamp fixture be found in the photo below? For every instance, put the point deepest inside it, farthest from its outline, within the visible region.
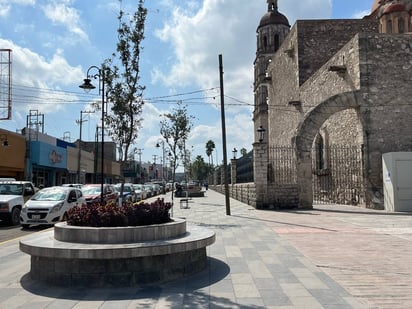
(234, 151)
(4, 141)
(87, 85)
(261, 133)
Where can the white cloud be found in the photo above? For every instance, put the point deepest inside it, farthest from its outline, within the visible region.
(6, 5)
(198, 34)
(4, 9)
(20, 2)
(62, 14)
(362, 14)
(33, 77)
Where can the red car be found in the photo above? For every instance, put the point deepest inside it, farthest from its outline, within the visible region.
(92, 193)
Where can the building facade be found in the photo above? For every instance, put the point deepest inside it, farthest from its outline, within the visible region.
(49, 161)
(337, 99)
(12, 155)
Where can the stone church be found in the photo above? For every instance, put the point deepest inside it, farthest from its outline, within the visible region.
(331, 97)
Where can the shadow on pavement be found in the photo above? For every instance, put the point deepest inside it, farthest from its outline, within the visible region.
(191, 288)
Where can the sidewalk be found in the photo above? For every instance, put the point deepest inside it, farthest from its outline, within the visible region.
(329, 257)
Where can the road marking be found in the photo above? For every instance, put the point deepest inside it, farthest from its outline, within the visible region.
(18, 238)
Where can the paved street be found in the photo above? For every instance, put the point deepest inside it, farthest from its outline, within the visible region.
(329, 257)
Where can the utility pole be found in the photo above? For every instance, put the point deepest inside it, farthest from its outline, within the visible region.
(222, 105)
(139, 153)
(34, 122)
(79, 156)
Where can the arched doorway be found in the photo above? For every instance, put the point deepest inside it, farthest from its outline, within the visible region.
(313, 155)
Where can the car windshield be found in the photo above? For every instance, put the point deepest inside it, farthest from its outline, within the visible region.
(91, 190)
(137, 187)
(11, 189)
(50, 194)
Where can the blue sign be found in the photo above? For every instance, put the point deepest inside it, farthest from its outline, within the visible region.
(48, 155)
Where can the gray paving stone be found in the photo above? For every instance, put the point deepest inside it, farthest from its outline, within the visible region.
(250, 266)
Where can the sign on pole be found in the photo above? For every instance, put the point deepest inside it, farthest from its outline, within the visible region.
(5, 84)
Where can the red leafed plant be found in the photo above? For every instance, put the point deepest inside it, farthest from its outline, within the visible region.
(111, 215)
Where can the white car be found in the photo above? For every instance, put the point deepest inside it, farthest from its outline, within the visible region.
(50, 205)
(140, 191)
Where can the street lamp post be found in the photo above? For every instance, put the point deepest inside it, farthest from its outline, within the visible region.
(87, 86)
(161, 142)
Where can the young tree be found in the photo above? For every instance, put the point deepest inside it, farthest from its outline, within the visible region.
(175, 128)
(243, 152)
(122, 76)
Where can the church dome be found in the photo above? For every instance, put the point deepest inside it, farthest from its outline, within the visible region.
(274, 17)
(396, 7)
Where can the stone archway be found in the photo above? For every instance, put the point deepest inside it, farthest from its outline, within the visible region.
(305, 135)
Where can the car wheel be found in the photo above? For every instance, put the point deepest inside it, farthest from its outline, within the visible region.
(65, 217)
(15, 216)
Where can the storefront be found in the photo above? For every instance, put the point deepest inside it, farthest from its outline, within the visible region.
(48, 164)
(83, 172)
(12, 155)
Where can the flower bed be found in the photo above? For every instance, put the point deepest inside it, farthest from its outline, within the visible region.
(111, 215)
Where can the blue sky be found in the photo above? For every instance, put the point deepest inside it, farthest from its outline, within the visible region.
(54, 42)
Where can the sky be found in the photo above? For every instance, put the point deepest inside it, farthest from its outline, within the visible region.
(54, 42)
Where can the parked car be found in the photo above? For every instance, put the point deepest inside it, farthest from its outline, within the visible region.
(50, 205)
(149, 190)
(128, 192)
(155, 188)
(92, 193)
(160, 187)
(140, 191)
(13, 195)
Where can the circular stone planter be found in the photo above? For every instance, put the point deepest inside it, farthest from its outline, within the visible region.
(119, 235)
(119, 256)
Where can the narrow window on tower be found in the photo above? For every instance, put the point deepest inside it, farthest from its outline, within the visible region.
(389, 26)
(277, 42)
(401, 25)
(265, 42)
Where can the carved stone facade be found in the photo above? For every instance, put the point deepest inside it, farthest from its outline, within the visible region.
(335, 82)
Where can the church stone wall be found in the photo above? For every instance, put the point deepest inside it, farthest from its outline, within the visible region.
(386, 77)
(284, 88)
(379, 66)
(319, 40)
(343, 128)
(323, 84)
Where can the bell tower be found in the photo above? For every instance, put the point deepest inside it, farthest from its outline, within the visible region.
(271, 32)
